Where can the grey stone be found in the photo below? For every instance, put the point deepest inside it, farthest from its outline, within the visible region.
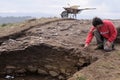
(61, 77)
(53, 73)
(32, 69)
(22, 70)
(43, 72)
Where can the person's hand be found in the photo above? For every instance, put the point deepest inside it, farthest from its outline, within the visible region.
(108, 43)
(85, 46)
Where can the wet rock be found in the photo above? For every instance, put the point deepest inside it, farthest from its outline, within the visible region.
(55, 34)
(49, 67)
(10, 69)
(49, 59)
(81, 61)
(62, 70)
(68, 72)
(61, 77)
(67, 58)
(53, 73)
(22, 70)
(42, 72)
(32, 69)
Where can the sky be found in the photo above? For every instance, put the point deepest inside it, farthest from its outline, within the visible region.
(109, 9)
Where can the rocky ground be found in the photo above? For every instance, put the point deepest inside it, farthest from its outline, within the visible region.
(52, 49)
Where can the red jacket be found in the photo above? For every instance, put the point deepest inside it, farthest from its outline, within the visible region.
(108, 31)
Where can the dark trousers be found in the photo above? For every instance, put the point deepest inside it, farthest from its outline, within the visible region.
(101, 41)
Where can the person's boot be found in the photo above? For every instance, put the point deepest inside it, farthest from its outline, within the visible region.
(113, 47)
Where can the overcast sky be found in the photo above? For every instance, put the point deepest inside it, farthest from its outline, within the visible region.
(50, 8)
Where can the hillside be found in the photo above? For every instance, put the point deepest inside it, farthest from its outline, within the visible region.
(5, 20)
(52, 49)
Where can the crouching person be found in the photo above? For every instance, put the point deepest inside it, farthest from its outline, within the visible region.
(105, 33)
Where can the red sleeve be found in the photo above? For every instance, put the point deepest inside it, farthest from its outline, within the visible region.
(113, 32)
(89, 36)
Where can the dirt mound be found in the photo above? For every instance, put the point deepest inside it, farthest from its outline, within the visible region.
(46, 49)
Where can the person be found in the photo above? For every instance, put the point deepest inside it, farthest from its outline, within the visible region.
(105, 33)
